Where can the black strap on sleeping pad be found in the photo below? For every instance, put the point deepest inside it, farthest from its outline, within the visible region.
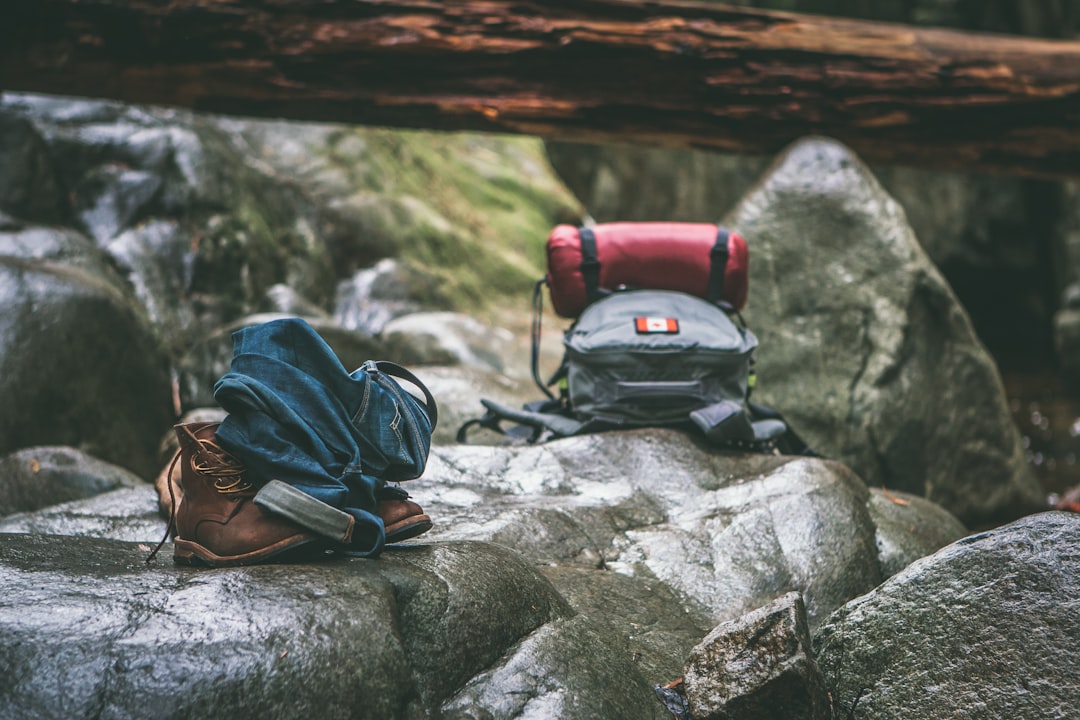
(718, 258)
(538, 313)
(590, 264)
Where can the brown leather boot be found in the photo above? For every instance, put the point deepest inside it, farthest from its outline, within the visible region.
(216, 521)
(402, 518)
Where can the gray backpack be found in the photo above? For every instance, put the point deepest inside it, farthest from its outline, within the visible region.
(650, 358)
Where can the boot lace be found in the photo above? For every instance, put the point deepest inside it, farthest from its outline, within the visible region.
(228, 474)
(213, 460)
(172, 508)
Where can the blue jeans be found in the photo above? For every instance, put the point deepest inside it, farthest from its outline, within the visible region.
(296, 415)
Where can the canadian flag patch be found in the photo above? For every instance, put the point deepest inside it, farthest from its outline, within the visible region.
(647, 325)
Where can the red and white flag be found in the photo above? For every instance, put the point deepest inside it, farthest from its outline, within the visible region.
(645, 325)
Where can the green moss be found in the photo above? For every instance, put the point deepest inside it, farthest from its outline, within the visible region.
(473, 212)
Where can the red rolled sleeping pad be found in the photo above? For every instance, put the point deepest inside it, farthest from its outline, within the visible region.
(700, 259)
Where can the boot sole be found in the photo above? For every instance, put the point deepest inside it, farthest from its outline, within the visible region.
(188, 552)
(408, 528)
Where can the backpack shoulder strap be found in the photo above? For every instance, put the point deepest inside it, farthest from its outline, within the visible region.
(727, 423)
(536, 334)
(532, 421)
(786, 441)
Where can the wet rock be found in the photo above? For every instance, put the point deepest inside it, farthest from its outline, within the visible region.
(657, 625)
(729, 532)
(160, 641)
(985, 627)
(80, 364)
(111, 198)
(34, 478)
(909, 527)
(864, 347)
(29, 186)
(643, 539)
(445, 338)
(760, 665)
(128, 514)
(557, 672)
(157, 261)
(200, 231)
(283, 299)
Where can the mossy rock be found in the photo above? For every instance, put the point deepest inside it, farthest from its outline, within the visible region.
(471, 212)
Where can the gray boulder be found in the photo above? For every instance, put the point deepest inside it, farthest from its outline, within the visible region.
(729, 532)
(200, 230)
(570, 668)
(446, 338)
(376, 295)
(760, 666)
(29, 186)
(909, 527)
(458, 390)
(80, 364)
(35, 478)
(564, 580)
(984, 628)
(342, 639)
(129, 514)
(864, 346)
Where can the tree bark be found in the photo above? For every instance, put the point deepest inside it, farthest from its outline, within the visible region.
(673, 73)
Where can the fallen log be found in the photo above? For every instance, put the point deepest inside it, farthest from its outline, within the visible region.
(673, 73)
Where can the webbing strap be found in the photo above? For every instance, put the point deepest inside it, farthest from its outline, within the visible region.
(789, 442)
(392, 368)
(590, 264)
(718, 258)
(531, 423)
(282, 499)
(558, 424)
(538, 314)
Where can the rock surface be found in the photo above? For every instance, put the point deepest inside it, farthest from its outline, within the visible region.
(342, 639)
(39, 477)
(564, 580)
(985, 627)
(80, 363)
(758, 666)
(864, 347)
